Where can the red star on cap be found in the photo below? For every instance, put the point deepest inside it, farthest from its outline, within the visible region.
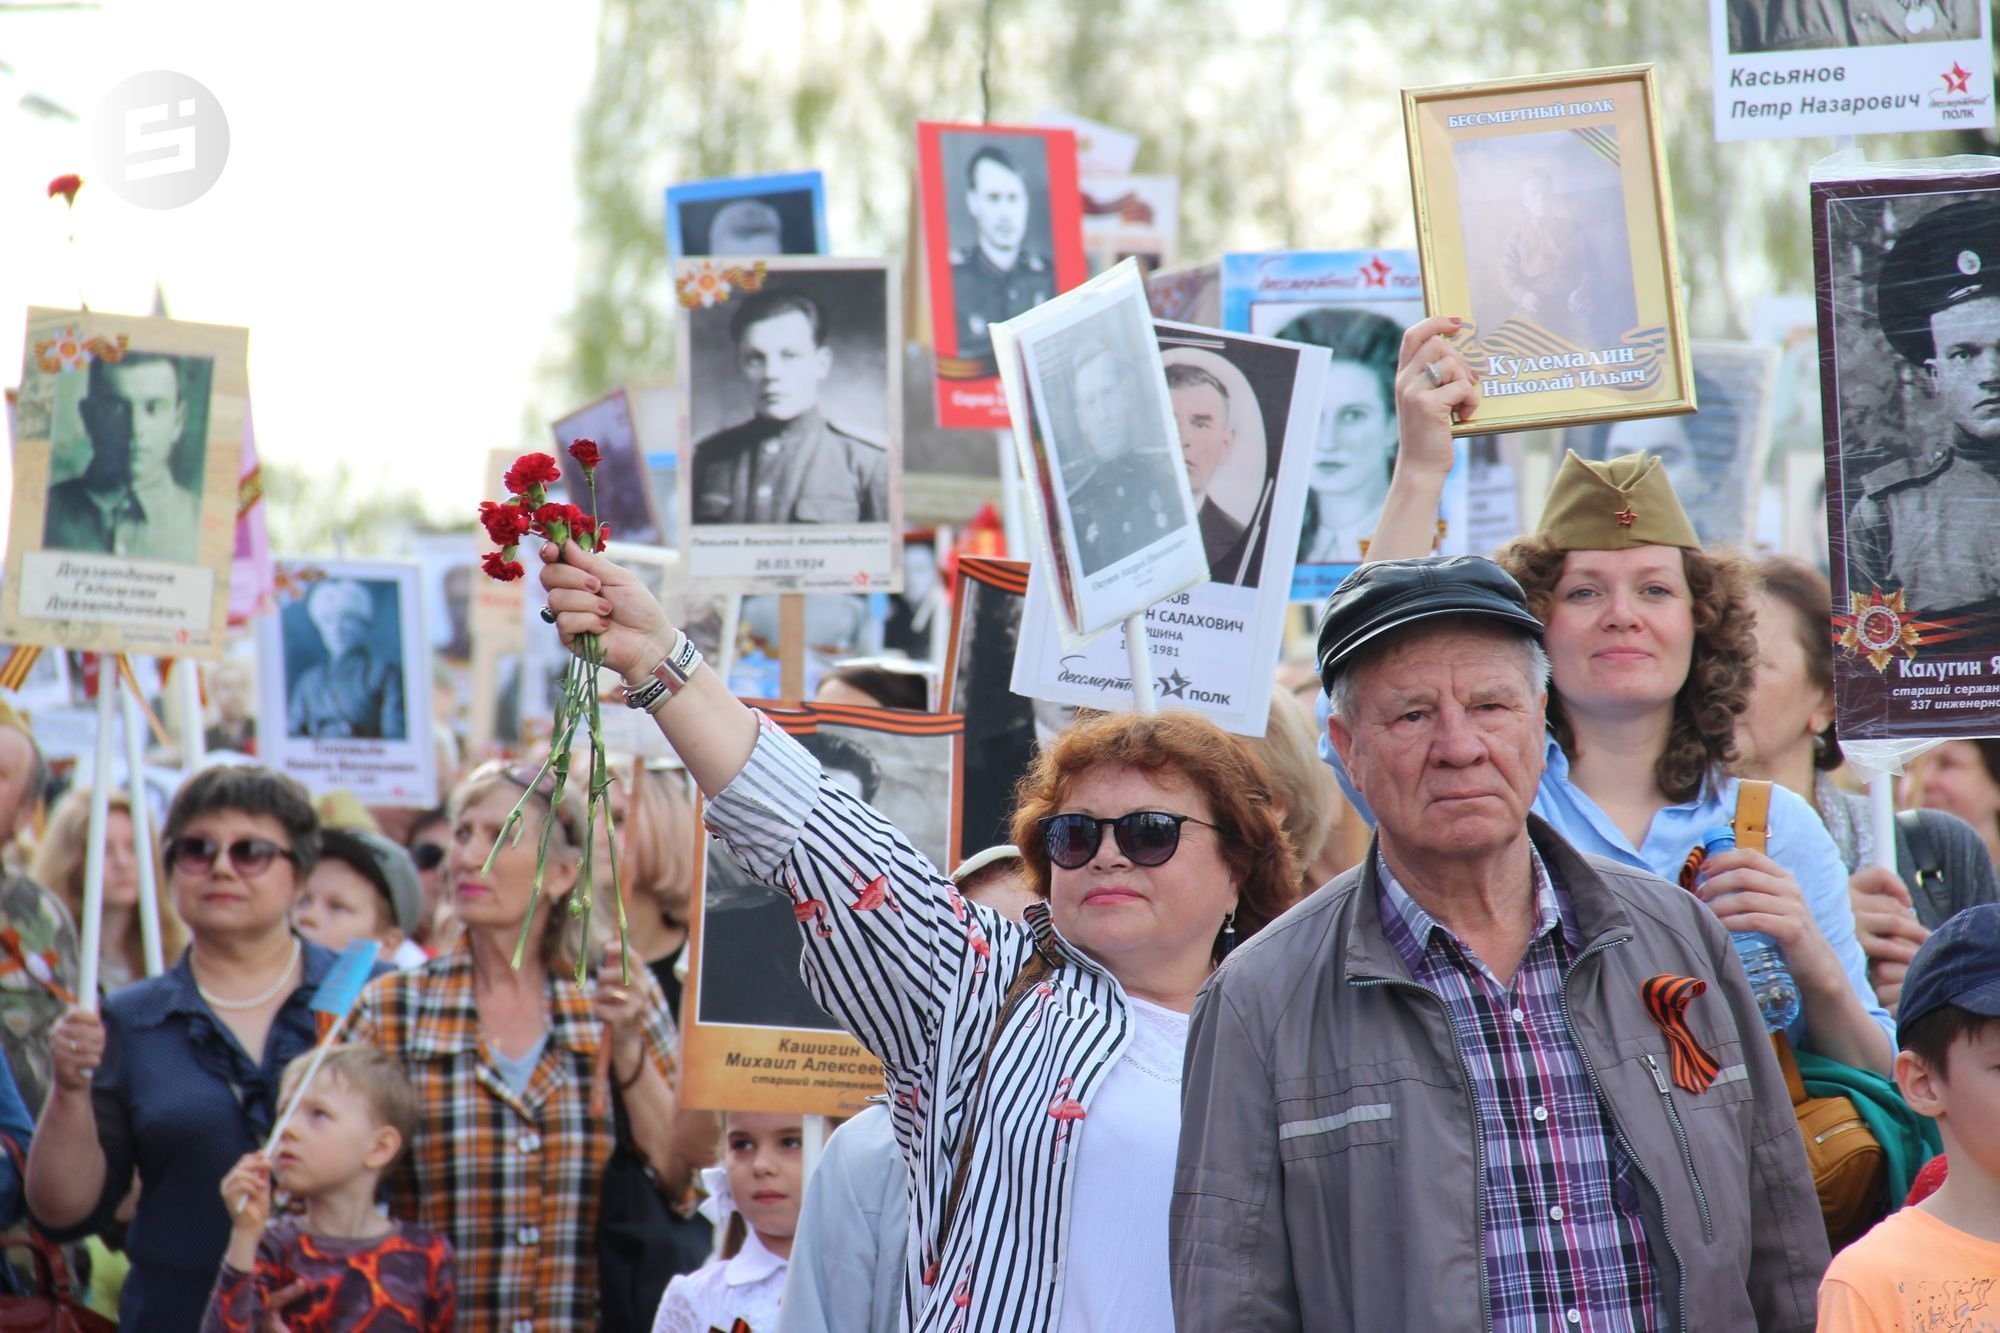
(1626, 516)
(1375, 273)
(1955, 78)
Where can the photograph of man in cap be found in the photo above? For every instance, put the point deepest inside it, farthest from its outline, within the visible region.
(781, 214)
(131, 498)
(1929, 523)
(788, 463)
(996, 274)
(350, 692)
(1758, 26)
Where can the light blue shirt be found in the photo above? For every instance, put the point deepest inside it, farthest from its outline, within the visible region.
(853, 1235)
(1798, 842)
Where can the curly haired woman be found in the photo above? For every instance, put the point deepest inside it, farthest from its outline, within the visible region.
(1653, 645)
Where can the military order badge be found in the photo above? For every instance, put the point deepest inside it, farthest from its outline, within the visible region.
(1003, 232)
(1908, 268)
(790, 373)
(1543, 218)
(128, 443)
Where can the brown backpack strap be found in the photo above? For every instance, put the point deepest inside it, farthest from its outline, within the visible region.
(1753, 814)
(1034, 971)
(1795, 1082)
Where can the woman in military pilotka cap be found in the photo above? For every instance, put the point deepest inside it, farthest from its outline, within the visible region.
(1650, 639)
(1929, 523)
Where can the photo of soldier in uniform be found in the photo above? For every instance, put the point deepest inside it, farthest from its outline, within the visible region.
(789, 395)
(1760, 26)
(747, 216)
(130, 482)
(344, 661)
(1002, 253)
(1119, 485)
(749, 954)
(1550, 209)
(623, 494)
(1925, 518)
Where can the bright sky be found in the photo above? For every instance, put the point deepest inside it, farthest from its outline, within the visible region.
(396, 224)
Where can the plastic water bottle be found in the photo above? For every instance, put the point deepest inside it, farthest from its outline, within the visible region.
(1770, 980)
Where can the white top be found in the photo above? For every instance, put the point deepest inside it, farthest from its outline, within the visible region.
(723, 1291)
(1115, 1270)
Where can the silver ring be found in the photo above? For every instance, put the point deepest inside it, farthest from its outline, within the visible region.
(1437, 376)
(72, 1046)
(548, 615)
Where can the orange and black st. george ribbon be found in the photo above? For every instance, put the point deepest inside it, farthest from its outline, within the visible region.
(1667, 998)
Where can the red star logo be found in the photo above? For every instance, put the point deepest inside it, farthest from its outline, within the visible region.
(1955, 78)
(1375, 273)
(1626, 516)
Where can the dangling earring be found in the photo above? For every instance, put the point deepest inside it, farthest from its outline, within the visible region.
(1228, 936)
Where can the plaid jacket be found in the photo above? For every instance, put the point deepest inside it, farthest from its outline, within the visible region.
(511, 1181)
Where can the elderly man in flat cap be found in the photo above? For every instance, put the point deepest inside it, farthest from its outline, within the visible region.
(1925, 524)
(1482, 1080)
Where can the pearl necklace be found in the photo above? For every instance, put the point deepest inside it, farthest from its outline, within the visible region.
(217, 1002)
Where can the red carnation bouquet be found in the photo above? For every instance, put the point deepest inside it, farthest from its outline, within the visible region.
(528, 512)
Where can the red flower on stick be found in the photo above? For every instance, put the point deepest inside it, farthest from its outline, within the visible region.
(530, 472)
(66, 186)
(505, 524)
(498, 566)
(585, 453)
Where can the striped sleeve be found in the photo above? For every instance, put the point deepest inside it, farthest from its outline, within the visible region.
(889, 943)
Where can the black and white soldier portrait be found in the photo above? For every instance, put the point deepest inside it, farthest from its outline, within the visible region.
(1001, 253)
(138, 492)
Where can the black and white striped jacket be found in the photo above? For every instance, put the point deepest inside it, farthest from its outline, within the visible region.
(918, 975)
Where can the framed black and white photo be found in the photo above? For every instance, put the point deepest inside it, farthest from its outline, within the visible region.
(790, 388)
(1544, 219)
(1908, 268)
(344, 684)
(1247, 413)
(1099, 445)
(128, 440)
(748, 1008)
(622, 494)
(782, 214)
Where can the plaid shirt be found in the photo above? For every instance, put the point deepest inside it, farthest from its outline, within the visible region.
(512, 1181)
(1565, 1234)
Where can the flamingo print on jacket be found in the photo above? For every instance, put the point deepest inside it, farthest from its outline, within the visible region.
(1067, 1110)
(870, 894)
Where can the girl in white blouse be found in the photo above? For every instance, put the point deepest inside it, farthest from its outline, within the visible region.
(754, 1195)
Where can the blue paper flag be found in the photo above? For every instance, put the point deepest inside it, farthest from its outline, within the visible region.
(342, 987)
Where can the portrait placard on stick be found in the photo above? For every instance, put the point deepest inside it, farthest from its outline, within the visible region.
(623, 496)
(1095, 428)
(1789, 71)
(1003, 232)
(1356, 304)
(1190, 294)
(1544, 220)
(1247, 413)
(753, 1037)
(128, 446)
(789, 384)
(344, 690)
(1130, 217)
(1907, 261)
(783, 214)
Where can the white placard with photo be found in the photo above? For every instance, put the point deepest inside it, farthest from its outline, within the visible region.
(1247, 413)
(1087, 393)
(344, 684)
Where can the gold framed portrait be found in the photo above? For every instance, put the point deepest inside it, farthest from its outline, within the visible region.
(1544, 221)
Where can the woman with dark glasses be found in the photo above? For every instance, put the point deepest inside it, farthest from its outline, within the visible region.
(510, 1063)
(178, 1077)
(1034, 1070)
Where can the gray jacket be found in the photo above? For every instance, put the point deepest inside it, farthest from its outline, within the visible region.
(1329, 1173)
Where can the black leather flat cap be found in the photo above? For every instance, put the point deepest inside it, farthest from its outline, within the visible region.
(1390, 594)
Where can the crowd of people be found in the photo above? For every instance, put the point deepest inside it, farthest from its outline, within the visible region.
(1189, 1052)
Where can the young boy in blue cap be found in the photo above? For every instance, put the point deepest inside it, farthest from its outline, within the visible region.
(1936, 1264)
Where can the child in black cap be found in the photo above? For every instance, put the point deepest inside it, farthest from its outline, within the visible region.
(1937, 1263)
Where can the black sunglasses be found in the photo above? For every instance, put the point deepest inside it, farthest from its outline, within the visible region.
(428, 856)
(1147, 837)
(250, 856)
